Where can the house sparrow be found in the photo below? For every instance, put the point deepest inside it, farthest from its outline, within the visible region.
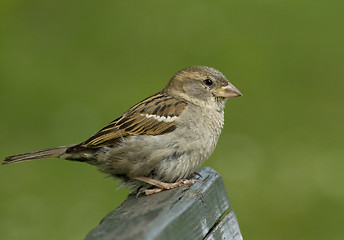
(158, 143)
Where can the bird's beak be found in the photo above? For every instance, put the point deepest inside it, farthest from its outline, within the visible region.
(228, 91)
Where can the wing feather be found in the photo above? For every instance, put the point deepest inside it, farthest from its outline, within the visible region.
(152, 116)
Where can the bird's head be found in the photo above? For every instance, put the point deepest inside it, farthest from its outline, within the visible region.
(202, 85)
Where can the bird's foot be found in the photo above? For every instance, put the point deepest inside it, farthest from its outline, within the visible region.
(149, 191)
(161, 186)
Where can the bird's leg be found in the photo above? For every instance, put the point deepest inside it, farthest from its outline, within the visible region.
(163, 185)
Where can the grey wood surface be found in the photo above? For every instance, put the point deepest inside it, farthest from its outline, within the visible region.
(200, 211)
(227, 228)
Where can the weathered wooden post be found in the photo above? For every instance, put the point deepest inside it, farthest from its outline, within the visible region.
(201, 211)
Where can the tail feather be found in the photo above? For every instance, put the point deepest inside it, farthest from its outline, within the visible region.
(45, 153)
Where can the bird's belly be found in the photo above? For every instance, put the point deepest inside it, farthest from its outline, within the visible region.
(167, 158)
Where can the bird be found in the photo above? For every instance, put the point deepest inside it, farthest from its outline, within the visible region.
(159, 142)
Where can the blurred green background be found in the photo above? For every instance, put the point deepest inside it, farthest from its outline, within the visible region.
(69, 67)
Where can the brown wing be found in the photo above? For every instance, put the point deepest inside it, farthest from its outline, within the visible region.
(153, 116)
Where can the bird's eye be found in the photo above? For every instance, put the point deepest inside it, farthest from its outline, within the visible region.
(208, 82)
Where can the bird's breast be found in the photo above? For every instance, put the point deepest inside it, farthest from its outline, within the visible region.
(191, 143)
